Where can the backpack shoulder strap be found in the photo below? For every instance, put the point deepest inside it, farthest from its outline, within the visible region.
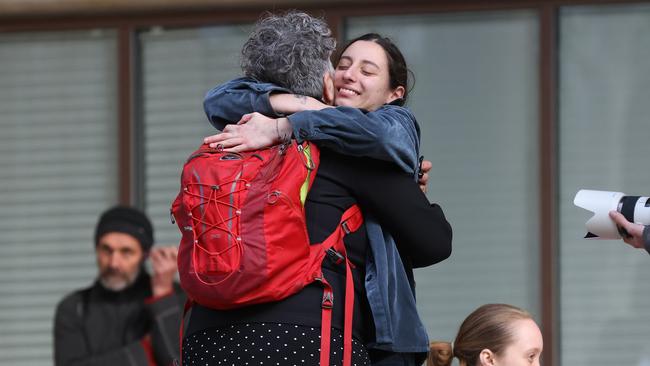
(350, 222)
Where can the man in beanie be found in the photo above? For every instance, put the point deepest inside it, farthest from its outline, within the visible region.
(127, 317)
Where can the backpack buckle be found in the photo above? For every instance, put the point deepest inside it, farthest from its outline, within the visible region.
(335, 256)
(345, 227)
(328, 300)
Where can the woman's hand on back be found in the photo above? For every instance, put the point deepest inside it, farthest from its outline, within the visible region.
(254, 131)
(423, 176)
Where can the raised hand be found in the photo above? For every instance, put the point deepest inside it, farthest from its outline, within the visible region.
(163, 263)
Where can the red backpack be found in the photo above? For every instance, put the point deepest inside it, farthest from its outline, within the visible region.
(244, 239)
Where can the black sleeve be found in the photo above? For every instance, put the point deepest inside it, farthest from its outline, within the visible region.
(70, 347)
(419, 228)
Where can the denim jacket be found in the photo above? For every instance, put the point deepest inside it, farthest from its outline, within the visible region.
(389, 133)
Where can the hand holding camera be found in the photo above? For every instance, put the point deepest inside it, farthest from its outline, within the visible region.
(632, 233)
(616, 216)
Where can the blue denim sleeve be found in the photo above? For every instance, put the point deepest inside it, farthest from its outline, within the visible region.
(389, 133)
(226, 103)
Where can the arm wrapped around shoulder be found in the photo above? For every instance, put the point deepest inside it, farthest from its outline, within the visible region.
(419, 228)
(436, 246)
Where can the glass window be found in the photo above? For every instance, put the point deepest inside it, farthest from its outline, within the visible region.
(179, 67)
(475, 98)
(58, 171)
(604, 129)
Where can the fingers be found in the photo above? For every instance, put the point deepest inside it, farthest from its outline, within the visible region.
(170, 252)
(223, 141)
(164, 258)
(621, 222)
(423, 179)
(238, 148)
(229, 138)
(426, 166)
(231, 129)
(255, 134)
(227, 144)
(634, 232)
(423, 173)
(235, 141)
(245, 118)
(163, 263)
(220, 137)
(214, 138)
(618, 218)
(228, 132)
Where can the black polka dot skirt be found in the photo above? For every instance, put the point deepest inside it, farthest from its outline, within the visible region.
(268, 344)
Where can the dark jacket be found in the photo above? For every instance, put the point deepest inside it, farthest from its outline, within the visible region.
(96, 326)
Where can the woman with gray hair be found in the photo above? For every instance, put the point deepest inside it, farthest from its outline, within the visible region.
(423, 234)
(293, 49)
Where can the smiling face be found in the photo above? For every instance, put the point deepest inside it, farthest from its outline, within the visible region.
(526, 347)
(361, 78)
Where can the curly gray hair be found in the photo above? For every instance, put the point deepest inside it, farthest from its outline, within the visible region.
(291, 50)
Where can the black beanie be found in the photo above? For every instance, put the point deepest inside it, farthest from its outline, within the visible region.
(126, 220)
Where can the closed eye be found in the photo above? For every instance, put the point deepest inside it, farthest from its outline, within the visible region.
(344, 63)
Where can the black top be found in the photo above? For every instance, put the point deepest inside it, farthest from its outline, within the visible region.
(96, 326)
(422, 234)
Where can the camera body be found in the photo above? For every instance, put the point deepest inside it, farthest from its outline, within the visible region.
(600, 226)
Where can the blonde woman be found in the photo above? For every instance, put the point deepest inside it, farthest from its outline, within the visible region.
(492, 335)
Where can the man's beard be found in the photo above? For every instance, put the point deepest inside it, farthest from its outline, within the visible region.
(116, 280)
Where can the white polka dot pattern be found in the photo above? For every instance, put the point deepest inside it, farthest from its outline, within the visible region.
(265, 344)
